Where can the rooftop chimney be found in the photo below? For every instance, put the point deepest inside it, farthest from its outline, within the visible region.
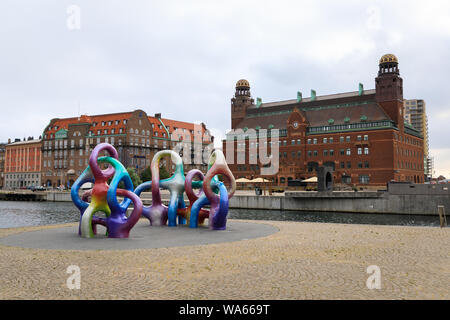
(158, 115)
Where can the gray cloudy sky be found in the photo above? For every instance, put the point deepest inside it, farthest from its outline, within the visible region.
(183, 58)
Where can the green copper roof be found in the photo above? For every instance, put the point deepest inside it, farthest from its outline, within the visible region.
(334, 106)
(165, 128)
(61, 134)
(258, 102)
(360, 89)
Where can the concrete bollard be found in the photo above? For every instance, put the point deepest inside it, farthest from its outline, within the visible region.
(442, 219)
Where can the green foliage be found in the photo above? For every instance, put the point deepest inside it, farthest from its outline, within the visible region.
(134, 177)
(163, 173)
(146, 175)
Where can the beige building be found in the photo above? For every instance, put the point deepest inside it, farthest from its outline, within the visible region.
(68, 142)
(416, 116)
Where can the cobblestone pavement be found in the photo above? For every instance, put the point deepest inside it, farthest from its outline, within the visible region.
(301, 261)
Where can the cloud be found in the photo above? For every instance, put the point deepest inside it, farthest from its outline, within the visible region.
(182, 58)
(441, 162)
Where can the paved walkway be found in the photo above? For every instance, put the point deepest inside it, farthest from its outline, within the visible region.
(142, 236)
(301, 261)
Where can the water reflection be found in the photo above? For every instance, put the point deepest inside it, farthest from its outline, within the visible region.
(19, 214)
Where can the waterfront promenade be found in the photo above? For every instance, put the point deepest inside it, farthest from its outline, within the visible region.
(300, 261)
(399, 198)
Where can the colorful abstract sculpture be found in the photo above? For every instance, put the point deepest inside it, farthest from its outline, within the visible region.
(211, 185)
(157, 213)
(104, 197)
(212, 192)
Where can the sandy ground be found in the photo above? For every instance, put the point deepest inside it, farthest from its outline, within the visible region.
(301, 261)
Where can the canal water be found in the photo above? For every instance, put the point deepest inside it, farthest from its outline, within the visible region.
(20, 214)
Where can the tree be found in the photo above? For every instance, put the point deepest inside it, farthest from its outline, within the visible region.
(163, 173)
(134, 177)
(146, 175)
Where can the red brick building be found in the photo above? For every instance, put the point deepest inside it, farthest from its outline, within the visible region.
(68, 143)
(22, 166)
(361, 135)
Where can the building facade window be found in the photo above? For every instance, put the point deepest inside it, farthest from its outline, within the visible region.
(364, 179)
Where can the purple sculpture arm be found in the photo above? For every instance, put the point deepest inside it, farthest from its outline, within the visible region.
(96, 171)
(119, 225)
(219, 205)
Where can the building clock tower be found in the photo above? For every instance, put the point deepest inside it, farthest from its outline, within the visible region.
(389, 89)
(240, 102)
